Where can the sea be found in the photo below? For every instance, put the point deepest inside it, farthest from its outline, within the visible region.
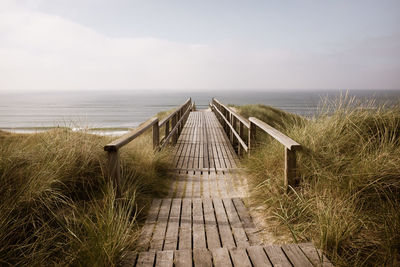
(114, 111)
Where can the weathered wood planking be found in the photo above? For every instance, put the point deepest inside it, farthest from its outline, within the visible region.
(204, 222)
(203, 145)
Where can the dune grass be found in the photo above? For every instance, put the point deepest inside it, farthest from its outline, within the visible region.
(56, 207)
(348, 201)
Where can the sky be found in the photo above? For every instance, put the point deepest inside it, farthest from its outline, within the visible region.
(207, 45)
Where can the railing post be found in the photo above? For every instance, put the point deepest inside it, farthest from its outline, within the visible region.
(113, 169)
(252, 137)
(290, 168)
(174, 137)
(230, 130)
(241, 134)
(156, 135)
(234, 139)
(180, 124)
(226, 124)
(167, 128)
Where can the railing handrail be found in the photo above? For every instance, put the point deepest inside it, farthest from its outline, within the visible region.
(240, 140)
(112, 148)
(282, 138)
(176, 127)
(163, 121)
(229, 120)
(125, 139)
(239, 117)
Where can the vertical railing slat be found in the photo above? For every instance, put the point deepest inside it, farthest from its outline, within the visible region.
(114, 171)
(290, 168)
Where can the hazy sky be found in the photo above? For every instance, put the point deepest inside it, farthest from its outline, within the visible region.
(128, 44)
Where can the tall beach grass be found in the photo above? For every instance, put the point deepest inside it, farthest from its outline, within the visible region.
(56, 207)
(348, 201)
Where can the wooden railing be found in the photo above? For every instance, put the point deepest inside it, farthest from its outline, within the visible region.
(175, 121)
(233, 124)
(230, 120)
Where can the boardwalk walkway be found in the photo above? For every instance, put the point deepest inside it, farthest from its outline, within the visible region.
(204, 221)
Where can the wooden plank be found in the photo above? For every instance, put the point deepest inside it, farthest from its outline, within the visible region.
(146, 259)
(296, 255)
(222, 185)
(196, 154)
(125, 139)
(169, 117)
(290, 169)
(206, 186)
(247, 222)
(213, 184)
(283, 139)
(189, 187)
(183, 258)
(171, 237)
(186, 150)
(157, 241)
(239, 117)
(213, 240)
(114, 172)
(237, 228)
(178, 154)
(181, 186)
(243, 144)
(207, 160)
(229, 184)
(221, 257)
(258, 257)
(201, 143)
(228, 151)
(182, 156)
(196, 185)
(202, 258)
(239, 257)
(316, 257)
(172, 189)
(148, 227)
(186, 158)
(164, 258)
(276, 256)
(185, 232)
(223, 224)
(192, 155)
(199, 235)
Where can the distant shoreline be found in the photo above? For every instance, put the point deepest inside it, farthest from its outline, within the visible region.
(96, 131)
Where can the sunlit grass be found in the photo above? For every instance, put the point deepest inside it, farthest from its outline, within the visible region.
(348, 201)
(56, 207)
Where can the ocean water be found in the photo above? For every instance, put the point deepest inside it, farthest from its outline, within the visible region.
(126, 109)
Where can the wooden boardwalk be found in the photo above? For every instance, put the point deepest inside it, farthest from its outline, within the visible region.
(204, 221)
(203, 145)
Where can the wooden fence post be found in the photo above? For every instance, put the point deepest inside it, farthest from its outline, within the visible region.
(234, 140)
(167, 128)
(230, 130)
(241, 133)
(252, 137)
(114, 171)
(156, 135)
(290, 168)
(174, 139)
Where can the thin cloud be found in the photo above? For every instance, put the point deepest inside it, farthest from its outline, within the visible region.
(47, 52)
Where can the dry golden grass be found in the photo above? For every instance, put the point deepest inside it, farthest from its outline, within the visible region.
(348, 202)
(56, 207)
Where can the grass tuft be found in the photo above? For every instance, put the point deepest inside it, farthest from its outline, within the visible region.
(56, 207)
(348, 201)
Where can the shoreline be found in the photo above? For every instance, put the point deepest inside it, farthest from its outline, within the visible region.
(96, 131)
